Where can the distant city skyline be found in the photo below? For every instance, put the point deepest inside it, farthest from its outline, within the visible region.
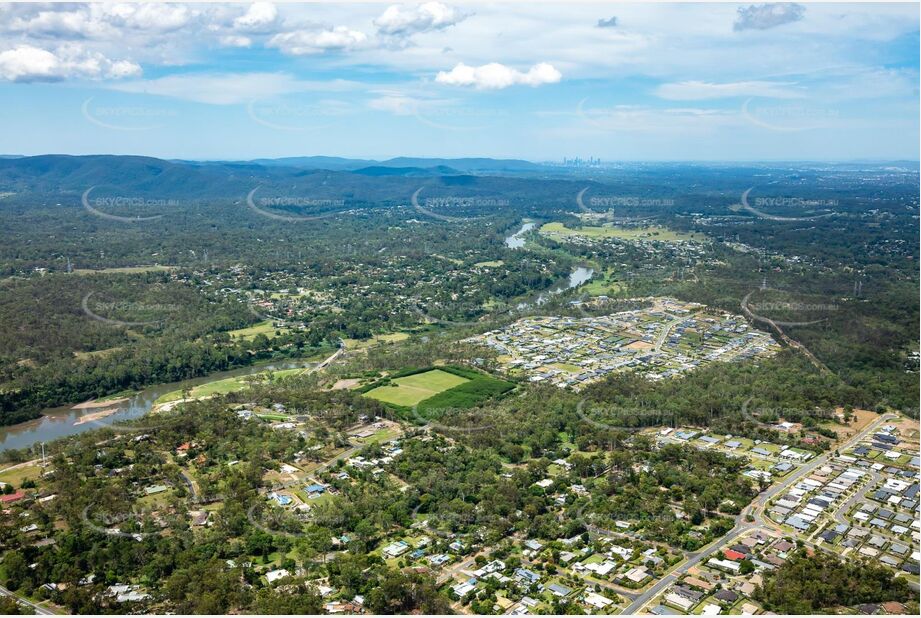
(541, 82)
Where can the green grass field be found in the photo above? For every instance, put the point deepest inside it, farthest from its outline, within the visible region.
(652, 232)
(567, 367)
(96, 353)
(602, 284)
(376, 340)
(262, 328)
(123, 270)
(228, 385)
(17, 475)
(410, 390)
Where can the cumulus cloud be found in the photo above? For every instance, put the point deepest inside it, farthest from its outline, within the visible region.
(771, 15)
(56, 42)
(699, 91)
(75, 24)
(259, 17)
(98, 21)
(303, 42)
(400, 20)
(27, 63)
(610, 22)
(495, 76)
(147, 16)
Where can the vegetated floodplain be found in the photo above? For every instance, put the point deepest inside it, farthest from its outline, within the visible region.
(438, 389)
(131, 270)
(652, 232)
(228, 385)
(262, 328)
(412, 389)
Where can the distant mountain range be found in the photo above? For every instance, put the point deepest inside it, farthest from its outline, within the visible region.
(362, 181)
(466, 165)
(327, 177)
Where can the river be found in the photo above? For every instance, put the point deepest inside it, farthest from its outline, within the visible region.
(578, 276)
(60, 422)
(516, 240)
(63, 421)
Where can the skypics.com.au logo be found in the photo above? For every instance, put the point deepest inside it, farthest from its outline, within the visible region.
(787, 203)
(455, 204)
(269, 207)
(102, 205)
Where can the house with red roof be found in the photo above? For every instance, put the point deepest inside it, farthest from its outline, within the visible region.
(10, 498)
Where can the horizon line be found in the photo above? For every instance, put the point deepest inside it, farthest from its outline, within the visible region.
(433, 157)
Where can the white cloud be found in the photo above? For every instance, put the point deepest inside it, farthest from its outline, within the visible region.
(79, 24)
(404, 21)
(643, 119)
(397, 104)
(771, 15)
(495, 76)
(150, 17)
(27, 63)
(303, 42)
(98, 21)
(699, 91)
(228, 88)
(235, 40)
(259, 17)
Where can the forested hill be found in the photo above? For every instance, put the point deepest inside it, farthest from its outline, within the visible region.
(369, 181)
(469, 165)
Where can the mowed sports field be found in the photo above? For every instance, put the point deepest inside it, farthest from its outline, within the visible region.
(410, 390)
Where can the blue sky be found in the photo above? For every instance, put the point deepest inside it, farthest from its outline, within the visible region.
(538, 81)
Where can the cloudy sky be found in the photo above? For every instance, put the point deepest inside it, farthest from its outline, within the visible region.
(538, 81)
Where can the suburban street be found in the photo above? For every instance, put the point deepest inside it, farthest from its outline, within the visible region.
(756, 510)
(38, 609)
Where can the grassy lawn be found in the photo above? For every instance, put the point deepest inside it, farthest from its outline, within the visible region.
(356, 344)
(324, 498)
(448, 259)
(759, 463)
(227, 385)
(567, 367)
(391, 337)
(607, 231)
(262, 328)
(383, 435)
(287, 373)
(118, 395)
(123, 270)
(230, 385)
(491, 264)
(16, 476)
(274, 417)
(155, 501)
(566, 442)
(410, 390)
(96, 353)
(602, 284)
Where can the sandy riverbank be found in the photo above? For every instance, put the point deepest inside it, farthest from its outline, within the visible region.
(95, 403)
